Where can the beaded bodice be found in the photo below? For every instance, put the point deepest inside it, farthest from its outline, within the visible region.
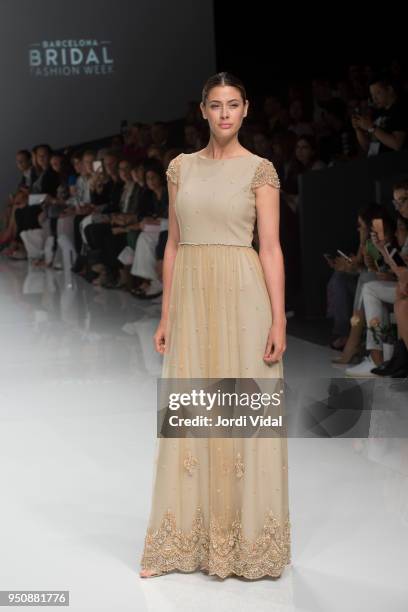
(215, 202)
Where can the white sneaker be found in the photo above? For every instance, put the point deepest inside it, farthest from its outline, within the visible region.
(155, 286)
(362, 369)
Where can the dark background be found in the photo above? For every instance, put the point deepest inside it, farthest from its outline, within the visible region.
(163, 52)
(269, 46)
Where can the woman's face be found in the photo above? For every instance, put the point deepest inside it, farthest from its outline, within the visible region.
(225, 110)
(77, 164)
(401, 232)
(110, 164)
(138, 174)
(124, 171)
(43, 158)
(87, 162)
(153, 180)
(303, 152)
(56, 163)
(22, 162)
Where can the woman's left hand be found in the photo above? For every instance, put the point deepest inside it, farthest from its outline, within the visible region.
(276, 343)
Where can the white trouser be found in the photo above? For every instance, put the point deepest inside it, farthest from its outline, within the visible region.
(33, 240)
(364, 277)
(144, 262)
(127, 256)
(84, 224)
(65, 242)
(375, 295)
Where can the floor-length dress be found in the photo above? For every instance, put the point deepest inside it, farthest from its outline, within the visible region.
(219, 504)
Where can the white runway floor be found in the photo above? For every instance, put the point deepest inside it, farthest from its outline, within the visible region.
(77, 438)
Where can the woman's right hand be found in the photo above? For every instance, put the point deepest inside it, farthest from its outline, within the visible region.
(159, 337)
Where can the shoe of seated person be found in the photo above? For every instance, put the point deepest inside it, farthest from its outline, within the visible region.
(363, 369)
(153, 290)
(383, 368)
(398, 361)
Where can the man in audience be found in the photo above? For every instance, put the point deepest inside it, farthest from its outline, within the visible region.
(386, 131)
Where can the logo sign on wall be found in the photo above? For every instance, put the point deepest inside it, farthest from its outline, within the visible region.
(70, 58)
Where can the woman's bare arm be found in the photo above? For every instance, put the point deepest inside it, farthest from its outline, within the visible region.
(170, 250)
(271, 258)
(169, 257)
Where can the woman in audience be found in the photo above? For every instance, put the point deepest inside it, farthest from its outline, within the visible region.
(366, 263)
(345, 286)
(60, 165)
(145, 264)
(398, 365)
(111, 237)
(375, 295)
(305, 158)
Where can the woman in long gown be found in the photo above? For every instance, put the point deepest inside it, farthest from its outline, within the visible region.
(220, 505)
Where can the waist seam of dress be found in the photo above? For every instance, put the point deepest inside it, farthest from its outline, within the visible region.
(248, 246)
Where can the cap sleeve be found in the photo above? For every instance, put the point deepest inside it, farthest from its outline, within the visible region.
(265, 174)
(173, 169)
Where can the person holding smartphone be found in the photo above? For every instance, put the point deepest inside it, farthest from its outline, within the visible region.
(376, 294)
(386, 130)
(346, 284)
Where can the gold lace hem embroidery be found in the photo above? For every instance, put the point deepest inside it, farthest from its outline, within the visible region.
(217, 549)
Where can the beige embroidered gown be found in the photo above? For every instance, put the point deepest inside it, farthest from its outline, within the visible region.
(219, 505)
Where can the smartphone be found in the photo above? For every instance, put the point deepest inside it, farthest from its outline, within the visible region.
(344, 255)
(378, 228)
(97, 166)
(396, 257)
(36, 198)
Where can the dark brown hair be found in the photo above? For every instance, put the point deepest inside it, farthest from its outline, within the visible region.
(401, 184)
(223, 78)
